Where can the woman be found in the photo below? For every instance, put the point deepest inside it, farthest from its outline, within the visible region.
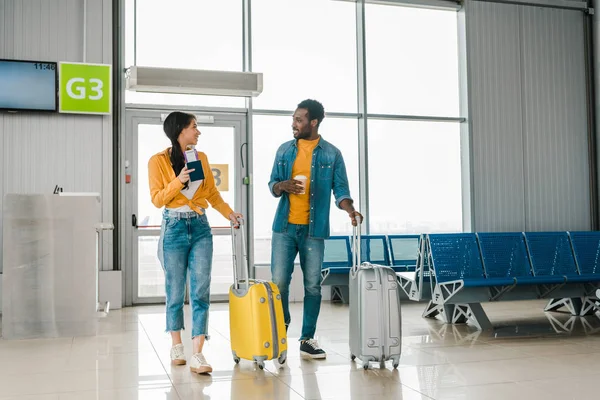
(186, 241)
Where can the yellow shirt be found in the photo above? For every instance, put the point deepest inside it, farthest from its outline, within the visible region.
(165, 187)
(300, 203)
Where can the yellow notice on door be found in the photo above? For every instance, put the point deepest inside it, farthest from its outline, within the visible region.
(221, 174)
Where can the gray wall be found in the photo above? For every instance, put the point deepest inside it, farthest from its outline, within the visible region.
(527, 118)
(73, 151)
(596, 52)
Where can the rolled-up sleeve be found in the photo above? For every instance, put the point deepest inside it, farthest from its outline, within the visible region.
(275, 178)
(341, 189)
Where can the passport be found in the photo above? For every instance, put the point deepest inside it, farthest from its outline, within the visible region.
(198, 174)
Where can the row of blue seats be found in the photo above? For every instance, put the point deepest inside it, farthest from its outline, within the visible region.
(457, 272)
(398, 251)
(480, 259)
(515, 258)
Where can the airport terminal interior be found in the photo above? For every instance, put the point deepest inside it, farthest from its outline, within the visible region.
(464, 132)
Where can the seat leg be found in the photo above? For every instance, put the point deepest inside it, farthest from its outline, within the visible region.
(473, 313)
(573, 305)
(445, 311)
(340, 294)
(345, 293)
(432, 310)
(448, 315)
(589, 306)
(335, 295)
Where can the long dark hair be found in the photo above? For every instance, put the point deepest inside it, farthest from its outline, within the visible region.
(173, 125)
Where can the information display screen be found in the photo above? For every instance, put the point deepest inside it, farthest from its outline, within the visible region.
(28, 85)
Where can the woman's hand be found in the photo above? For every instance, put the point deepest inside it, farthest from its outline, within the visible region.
(236, 219)
(184, 175)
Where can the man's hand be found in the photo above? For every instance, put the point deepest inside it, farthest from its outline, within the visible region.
(292, 186)
(347, 205)
(354, 215)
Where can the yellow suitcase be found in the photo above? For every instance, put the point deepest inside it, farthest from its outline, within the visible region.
(256, 324)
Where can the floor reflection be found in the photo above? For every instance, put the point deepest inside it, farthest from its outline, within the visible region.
(528, 354)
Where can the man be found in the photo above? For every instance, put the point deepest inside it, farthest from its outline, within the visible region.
(302, 219)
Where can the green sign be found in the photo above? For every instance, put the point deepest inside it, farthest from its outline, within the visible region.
(84, 88)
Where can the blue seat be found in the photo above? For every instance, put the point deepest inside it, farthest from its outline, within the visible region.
(551, 258)
(374, 249)
(337, 262)
(404, 251)
(337, 257)
(505, 256)
(586, 248)
(339, 270)
(456, 257)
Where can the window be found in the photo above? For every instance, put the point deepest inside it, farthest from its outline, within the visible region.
(305, 49)
(185, 34)
(269, 133)
(190, 34)
(343, 134)
(308, 49)
(412, 61)
(414, 177)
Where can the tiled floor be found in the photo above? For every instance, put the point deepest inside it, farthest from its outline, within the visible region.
(529, 355)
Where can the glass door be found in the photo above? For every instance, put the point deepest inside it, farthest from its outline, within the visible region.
(222, 139)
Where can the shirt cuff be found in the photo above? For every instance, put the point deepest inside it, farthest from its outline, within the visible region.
(272, 188)
(342, 198)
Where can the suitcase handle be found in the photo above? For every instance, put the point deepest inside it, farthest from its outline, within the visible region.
(356, 245)
(234, 234)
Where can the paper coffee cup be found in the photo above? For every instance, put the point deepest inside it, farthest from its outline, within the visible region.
(302, 179)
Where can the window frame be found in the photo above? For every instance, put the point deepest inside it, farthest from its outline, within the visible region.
(361, 113)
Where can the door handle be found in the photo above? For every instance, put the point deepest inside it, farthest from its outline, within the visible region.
(242, 153)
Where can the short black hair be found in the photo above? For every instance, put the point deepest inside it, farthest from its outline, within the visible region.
(315, 110)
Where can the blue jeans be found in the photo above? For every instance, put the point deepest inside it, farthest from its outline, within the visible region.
(284, 247)
(186, 243)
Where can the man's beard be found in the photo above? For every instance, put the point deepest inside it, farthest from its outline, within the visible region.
(304, 134)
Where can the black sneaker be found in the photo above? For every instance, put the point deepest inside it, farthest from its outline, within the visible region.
(310, 348)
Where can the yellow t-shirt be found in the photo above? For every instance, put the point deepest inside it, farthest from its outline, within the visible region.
(300, 203)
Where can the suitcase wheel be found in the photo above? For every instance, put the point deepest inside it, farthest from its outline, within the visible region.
(366, 366)
(396, 365)
(281, 360)
(235, 357)
(261, 364)
(352, 357)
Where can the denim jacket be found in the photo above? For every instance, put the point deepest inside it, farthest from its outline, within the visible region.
(327, 174)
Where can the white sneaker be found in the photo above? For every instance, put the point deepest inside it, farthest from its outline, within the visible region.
(177, 355)
(199, 365)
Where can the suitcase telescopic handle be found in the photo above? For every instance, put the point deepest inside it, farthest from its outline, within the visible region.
(356, 245)
(239, 232)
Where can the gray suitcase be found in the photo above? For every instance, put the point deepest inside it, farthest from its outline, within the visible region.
(375, 319)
